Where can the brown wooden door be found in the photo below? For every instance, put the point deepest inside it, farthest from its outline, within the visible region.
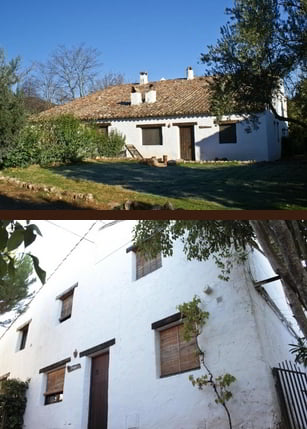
(187, 151)
(98, 413)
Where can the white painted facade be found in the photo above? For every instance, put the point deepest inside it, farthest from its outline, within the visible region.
(243, 336)
(261, 144)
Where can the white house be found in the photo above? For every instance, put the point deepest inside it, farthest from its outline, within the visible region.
(101, 341)
(172, 117)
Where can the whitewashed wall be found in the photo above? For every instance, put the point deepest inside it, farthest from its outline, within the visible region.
(243, 336)
(259, 145)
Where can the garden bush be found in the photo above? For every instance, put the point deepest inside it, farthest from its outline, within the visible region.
(12, 403)
(111, 145)
(63, 139)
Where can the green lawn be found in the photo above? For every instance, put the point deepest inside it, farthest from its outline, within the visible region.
(265, 186)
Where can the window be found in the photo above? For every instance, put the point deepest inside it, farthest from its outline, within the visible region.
(228, 133)
(67, 300)
(55, 386)
(176, 354)
(146, 265)
(24, 335)
(152, 136)
(103, 129)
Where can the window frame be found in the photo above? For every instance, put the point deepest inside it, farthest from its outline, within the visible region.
(50, 369)
(150, 127)
(148, 265)
(64, 313)
(67, 294)
(232, 131)
(175, 321)
(23, 332)
(58, 393)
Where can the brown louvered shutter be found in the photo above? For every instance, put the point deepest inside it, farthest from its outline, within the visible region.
(176, 354)
(66, 306)
(55, 381)
(152, 136)
(189, 356)
(169, 351)
(146, 265)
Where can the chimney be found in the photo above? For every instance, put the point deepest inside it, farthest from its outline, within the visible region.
(190, 73)
(151, 95)
(143, 78)
(136, 97)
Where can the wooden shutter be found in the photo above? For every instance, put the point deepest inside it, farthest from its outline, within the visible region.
(228, 133)
(55, 381)
(189, 356)
(66, 306)
(152, 136)
(146, 265)
(176, 354)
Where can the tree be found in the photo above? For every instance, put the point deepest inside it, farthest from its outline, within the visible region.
(263, 44)
(297, 108)
(11, 107)
(73, 70)
(194, 319)
(14, 289)
(13, 235)
(109, 79)
(284, 243)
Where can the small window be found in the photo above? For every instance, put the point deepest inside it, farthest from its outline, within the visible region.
(152, 136)
(104, 129)
(228, 133)
(146, 265)
(67, 300)
(24, 335)
(176, 354)
(55, 386)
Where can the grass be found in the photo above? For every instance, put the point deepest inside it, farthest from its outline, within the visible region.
(271, 186)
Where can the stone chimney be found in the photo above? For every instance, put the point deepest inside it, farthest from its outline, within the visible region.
(136, 97)
(143, 78)
(151, 95)
(190, 73)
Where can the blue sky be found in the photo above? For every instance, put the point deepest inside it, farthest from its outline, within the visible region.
(161, 37)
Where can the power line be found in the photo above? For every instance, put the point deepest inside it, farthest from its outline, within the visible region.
(67, 230)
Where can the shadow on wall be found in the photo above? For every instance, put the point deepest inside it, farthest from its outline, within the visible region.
(241, 145)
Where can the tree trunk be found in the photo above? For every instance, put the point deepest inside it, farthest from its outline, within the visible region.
(280, 246)
(286, 119)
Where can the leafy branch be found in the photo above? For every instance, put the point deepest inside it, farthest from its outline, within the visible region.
(194, 319)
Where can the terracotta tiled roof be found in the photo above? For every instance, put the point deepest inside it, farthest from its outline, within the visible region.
(175, 97)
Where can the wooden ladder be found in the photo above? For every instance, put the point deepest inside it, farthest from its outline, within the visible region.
(133, 151)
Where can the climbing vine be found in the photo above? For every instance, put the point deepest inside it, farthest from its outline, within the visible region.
(194, 319)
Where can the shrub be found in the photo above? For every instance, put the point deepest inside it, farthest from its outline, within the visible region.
(13, 403)
(26, 150)
(112, 145)
(63, 139)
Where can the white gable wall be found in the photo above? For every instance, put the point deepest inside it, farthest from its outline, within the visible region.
(109, 303)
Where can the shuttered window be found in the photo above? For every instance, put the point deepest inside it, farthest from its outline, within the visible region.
(152, 136)
(228, 133)
(55, 386)
(146, 265)
(66, 306)
(176, 354)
